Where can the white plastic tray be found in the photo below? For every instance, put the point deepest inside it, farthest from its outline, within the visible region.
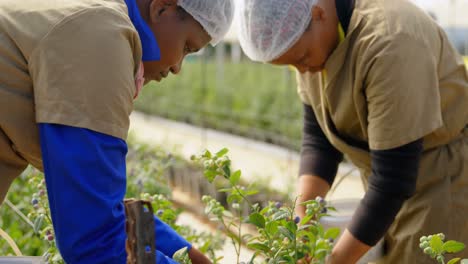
(21, 260)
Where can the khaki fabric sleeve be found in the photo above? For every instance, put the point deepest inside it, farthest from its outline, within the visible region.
(83, 72)
(402, 92)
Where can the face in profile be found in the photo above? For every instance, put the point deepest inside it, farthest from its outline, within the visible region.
(311, 51)
(177, 33)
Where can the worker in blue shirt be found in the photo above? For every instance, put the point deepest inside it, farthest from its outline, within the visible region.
(69, 72)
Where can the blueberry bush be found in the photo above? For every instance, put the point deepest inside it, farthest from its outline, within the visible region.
(25, 216)
(279, 236)
(435, 247)
(269, 228)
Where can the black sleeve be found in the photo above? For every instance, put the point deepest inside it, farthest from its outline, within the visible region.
(318, 156)
(393, 180)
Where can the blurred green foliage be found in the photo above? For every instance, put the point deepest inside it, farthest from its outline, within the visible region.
(250, 99)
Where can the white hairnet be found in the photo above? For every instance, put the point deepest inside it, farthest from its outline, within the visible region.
(268, 28)
(215, 16)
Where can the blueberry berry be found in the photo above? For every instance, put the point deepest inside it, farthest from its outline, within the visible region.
(147, 249)
(320, 200)
(297, 219)
(278, 205)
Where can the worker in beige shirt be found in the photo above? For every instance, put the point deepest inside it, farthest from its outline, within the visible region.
(381, 84)
(69, 72)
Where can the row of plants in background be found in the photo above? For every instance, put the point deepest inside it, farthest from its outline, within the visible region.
(249, 99)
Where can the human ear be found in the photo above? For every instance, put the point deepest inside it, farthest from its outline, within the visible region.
(318, 13)
(158, 8)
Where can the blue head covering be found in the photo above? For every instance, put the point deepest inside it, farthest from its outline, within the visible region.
(151, 51)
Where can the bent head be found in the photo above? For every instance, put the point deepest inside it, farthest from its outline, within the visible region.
(301, 33)
(182, 27)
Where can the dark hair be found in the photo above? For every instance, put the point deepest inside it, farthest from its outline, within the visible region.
(183, 15)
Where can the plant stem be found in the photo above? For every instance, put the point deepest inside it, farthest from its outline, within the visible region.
(18, 212)
(243, 197)
(295, 237)
(239, 234)
(232, 239)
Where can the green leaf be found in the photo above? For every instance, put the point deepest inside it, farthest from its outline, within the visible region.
(271, 227)
(291, 226)
(306, 219)
(332, 233)
(210, 175)
(453, 261)
(181, 256)
(227, 171)
(436, 244)
(207, 154)
(57, 257)
(234, 198)
(280, 215)
(204, 248)
(222, 152)
(257, 219)
(233, 237)
(235, 177)
(251, 192)
(304, 227)
(259, 246)
(285, 232)
(453, 246)
(227, 213)
(320, 253)
(38, 224)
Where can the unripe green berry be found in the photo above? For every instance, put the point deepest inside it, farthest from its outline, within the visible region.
(428, 250)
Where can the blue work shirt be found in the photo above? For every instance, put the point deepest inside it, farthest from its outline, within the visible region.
(149, 45)
(85, 175)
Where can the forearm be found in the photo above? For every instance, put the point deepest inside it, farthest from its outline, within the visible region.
(393, 180)
(348, 250)
(309, 187)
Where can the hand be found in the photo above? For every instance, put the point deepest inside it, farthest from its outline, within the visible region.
(348, 250)
(197, 257)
